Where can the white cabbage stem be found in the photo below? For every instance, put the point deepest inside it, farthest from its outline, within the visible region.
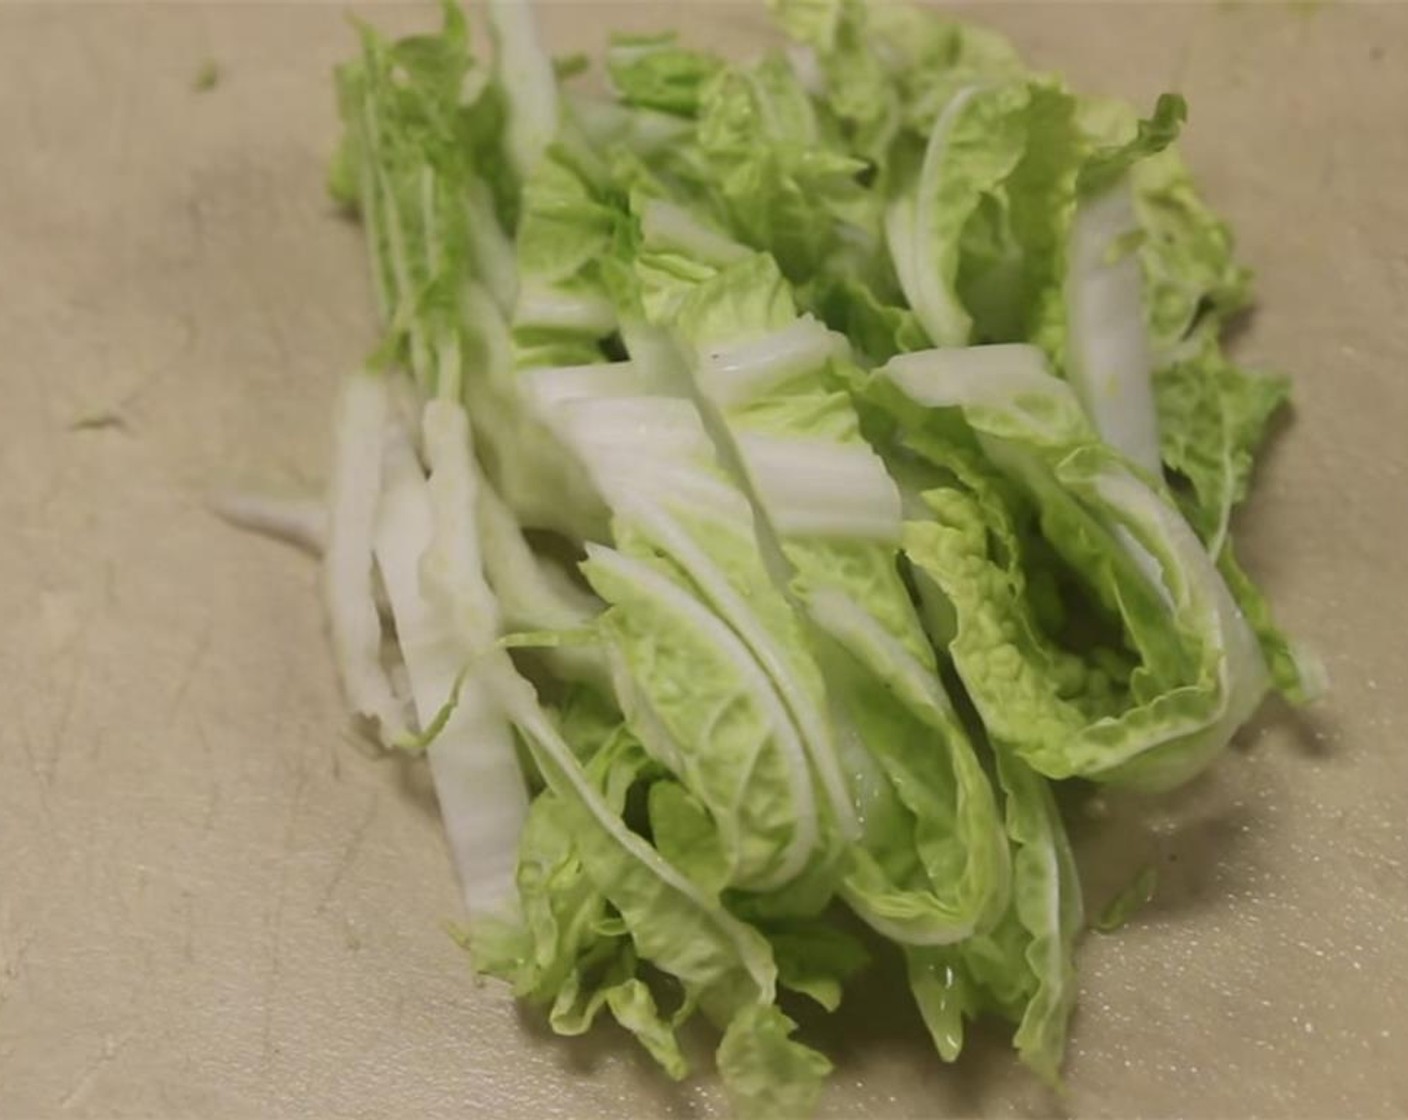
(731, 374)
(347, 564)
(478, 783)
(526, 73)
(301, 522)
(1108, 357)
(822, 489)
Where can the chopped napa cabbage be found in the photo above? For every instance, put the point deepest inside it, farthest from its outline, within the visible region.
(774, 476)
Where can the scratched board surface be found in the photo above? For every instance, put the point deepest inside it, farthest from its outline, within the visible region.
(215, 901)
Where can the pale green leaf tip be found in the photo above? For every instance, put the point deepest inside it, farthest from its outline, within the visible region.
(1132, 897)
(207, 77)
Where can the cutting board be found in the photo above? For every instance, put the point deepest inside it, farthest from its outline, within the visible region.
(215, 900)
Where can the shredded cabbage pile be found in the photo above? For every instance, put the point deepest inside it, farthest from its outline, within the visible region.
(773, 478)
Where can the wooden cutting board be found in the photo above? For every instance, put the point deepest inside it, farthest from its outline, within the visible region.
(215, 902)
